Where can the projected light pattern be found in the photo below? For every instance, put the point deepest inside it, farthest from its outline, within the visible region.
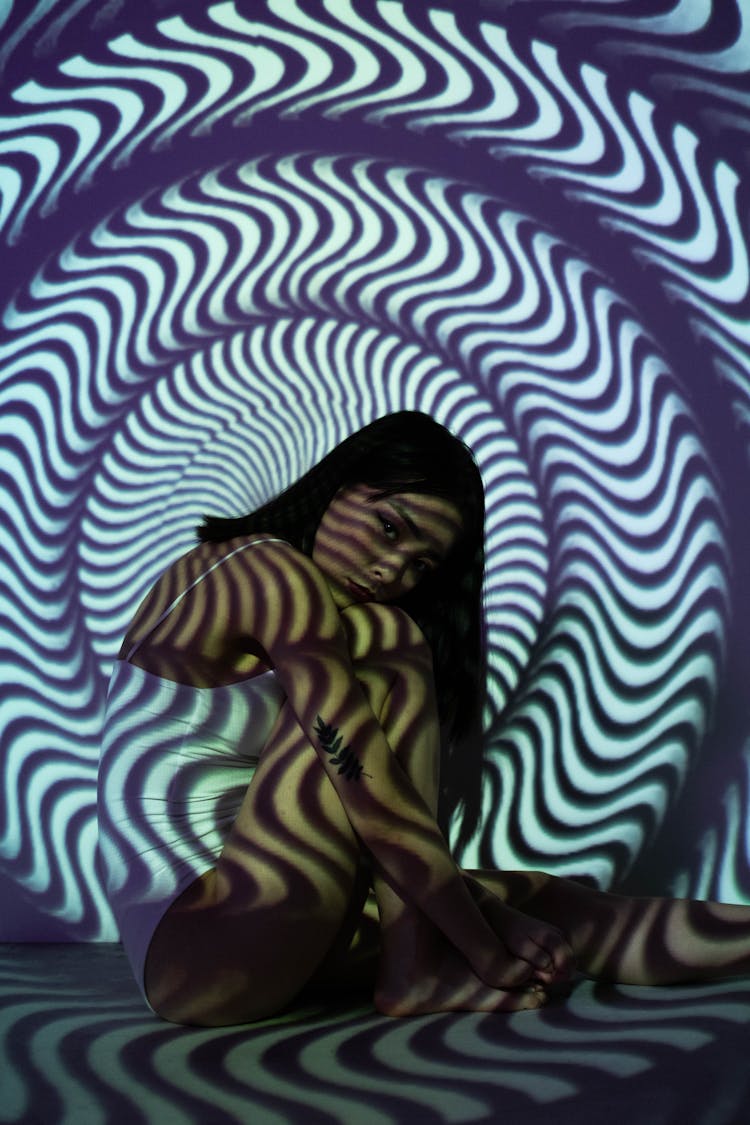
(92, 1050)
(721, 873)
(197, 346)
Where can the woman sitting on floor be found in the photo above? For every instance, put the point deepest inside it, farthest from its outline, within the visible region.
(271, 755)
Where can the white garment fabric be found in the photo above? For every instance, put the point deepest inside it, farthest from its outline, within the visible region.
(176, 761)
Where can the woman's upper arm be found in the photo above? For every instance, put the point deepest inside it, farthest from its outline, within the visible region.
(285, 605)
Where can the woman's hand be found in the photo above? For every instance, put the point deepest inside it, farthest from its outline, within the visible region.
(444, 981)
(531, 950)
(421, 971)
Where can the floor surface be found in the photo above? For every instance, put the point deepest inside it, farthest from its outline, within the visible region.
(77, 1045)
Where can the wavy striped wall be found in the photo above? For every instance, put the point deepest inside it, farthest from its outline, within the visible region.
(236, 232)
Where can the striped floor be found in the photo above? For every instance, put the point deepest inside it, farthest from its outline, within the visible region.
(77, 1045)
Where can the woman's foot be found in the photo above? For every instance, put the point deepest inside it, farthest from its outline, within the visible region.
(451, 987)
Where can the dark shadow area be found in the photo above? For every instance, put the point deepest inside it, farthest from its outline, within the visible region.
(79, 1045)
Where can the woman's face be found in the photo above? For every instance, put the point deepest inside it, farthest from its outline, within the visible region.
(374, 550)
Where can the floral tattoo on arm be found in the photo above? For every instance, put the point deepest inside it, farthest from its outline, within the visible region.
(342, 756)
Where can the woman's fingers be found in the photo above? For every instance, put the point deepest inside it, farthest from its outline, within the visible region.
(549, 953)
(535, 950)
(505, 970)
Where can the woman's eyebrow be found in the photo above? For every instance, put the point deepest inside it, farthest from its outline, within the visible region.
(407, 518)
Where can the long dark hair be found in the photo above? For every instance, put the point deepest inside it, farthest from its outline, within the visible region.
(406, 452)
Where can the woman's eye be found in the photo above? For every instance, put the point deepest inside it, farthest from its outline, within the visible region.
(388, 528)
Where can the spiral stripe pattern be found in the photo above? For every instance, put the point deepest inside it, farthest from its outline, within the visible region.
(198, 346)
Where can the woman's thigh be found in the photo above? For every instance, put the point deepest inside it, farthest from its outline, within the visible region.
(283, 903)
(241, 941)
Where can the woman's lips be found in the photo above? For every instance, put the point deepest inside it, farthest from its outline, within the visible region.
(362, 593)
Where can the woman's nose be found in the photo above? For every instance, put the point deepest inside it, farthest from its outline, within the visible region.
(387, 568)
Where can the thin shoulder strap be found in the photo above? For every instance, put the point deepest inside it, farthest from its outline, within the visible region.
(178, 599)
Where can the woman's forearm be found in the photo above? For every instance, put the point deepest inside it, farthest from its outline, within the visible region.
(385, 810)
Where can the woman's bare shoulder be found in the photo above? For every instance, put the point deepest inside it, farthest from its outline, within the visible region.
(251, 553)
(243, 545)
(217, 561)
(210, 566)
(219, 598)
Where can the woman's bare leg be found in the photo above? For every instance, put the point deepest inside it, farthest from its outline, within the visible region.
(241, 941)
(279, 909)
(650, 941)
(419, 970)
